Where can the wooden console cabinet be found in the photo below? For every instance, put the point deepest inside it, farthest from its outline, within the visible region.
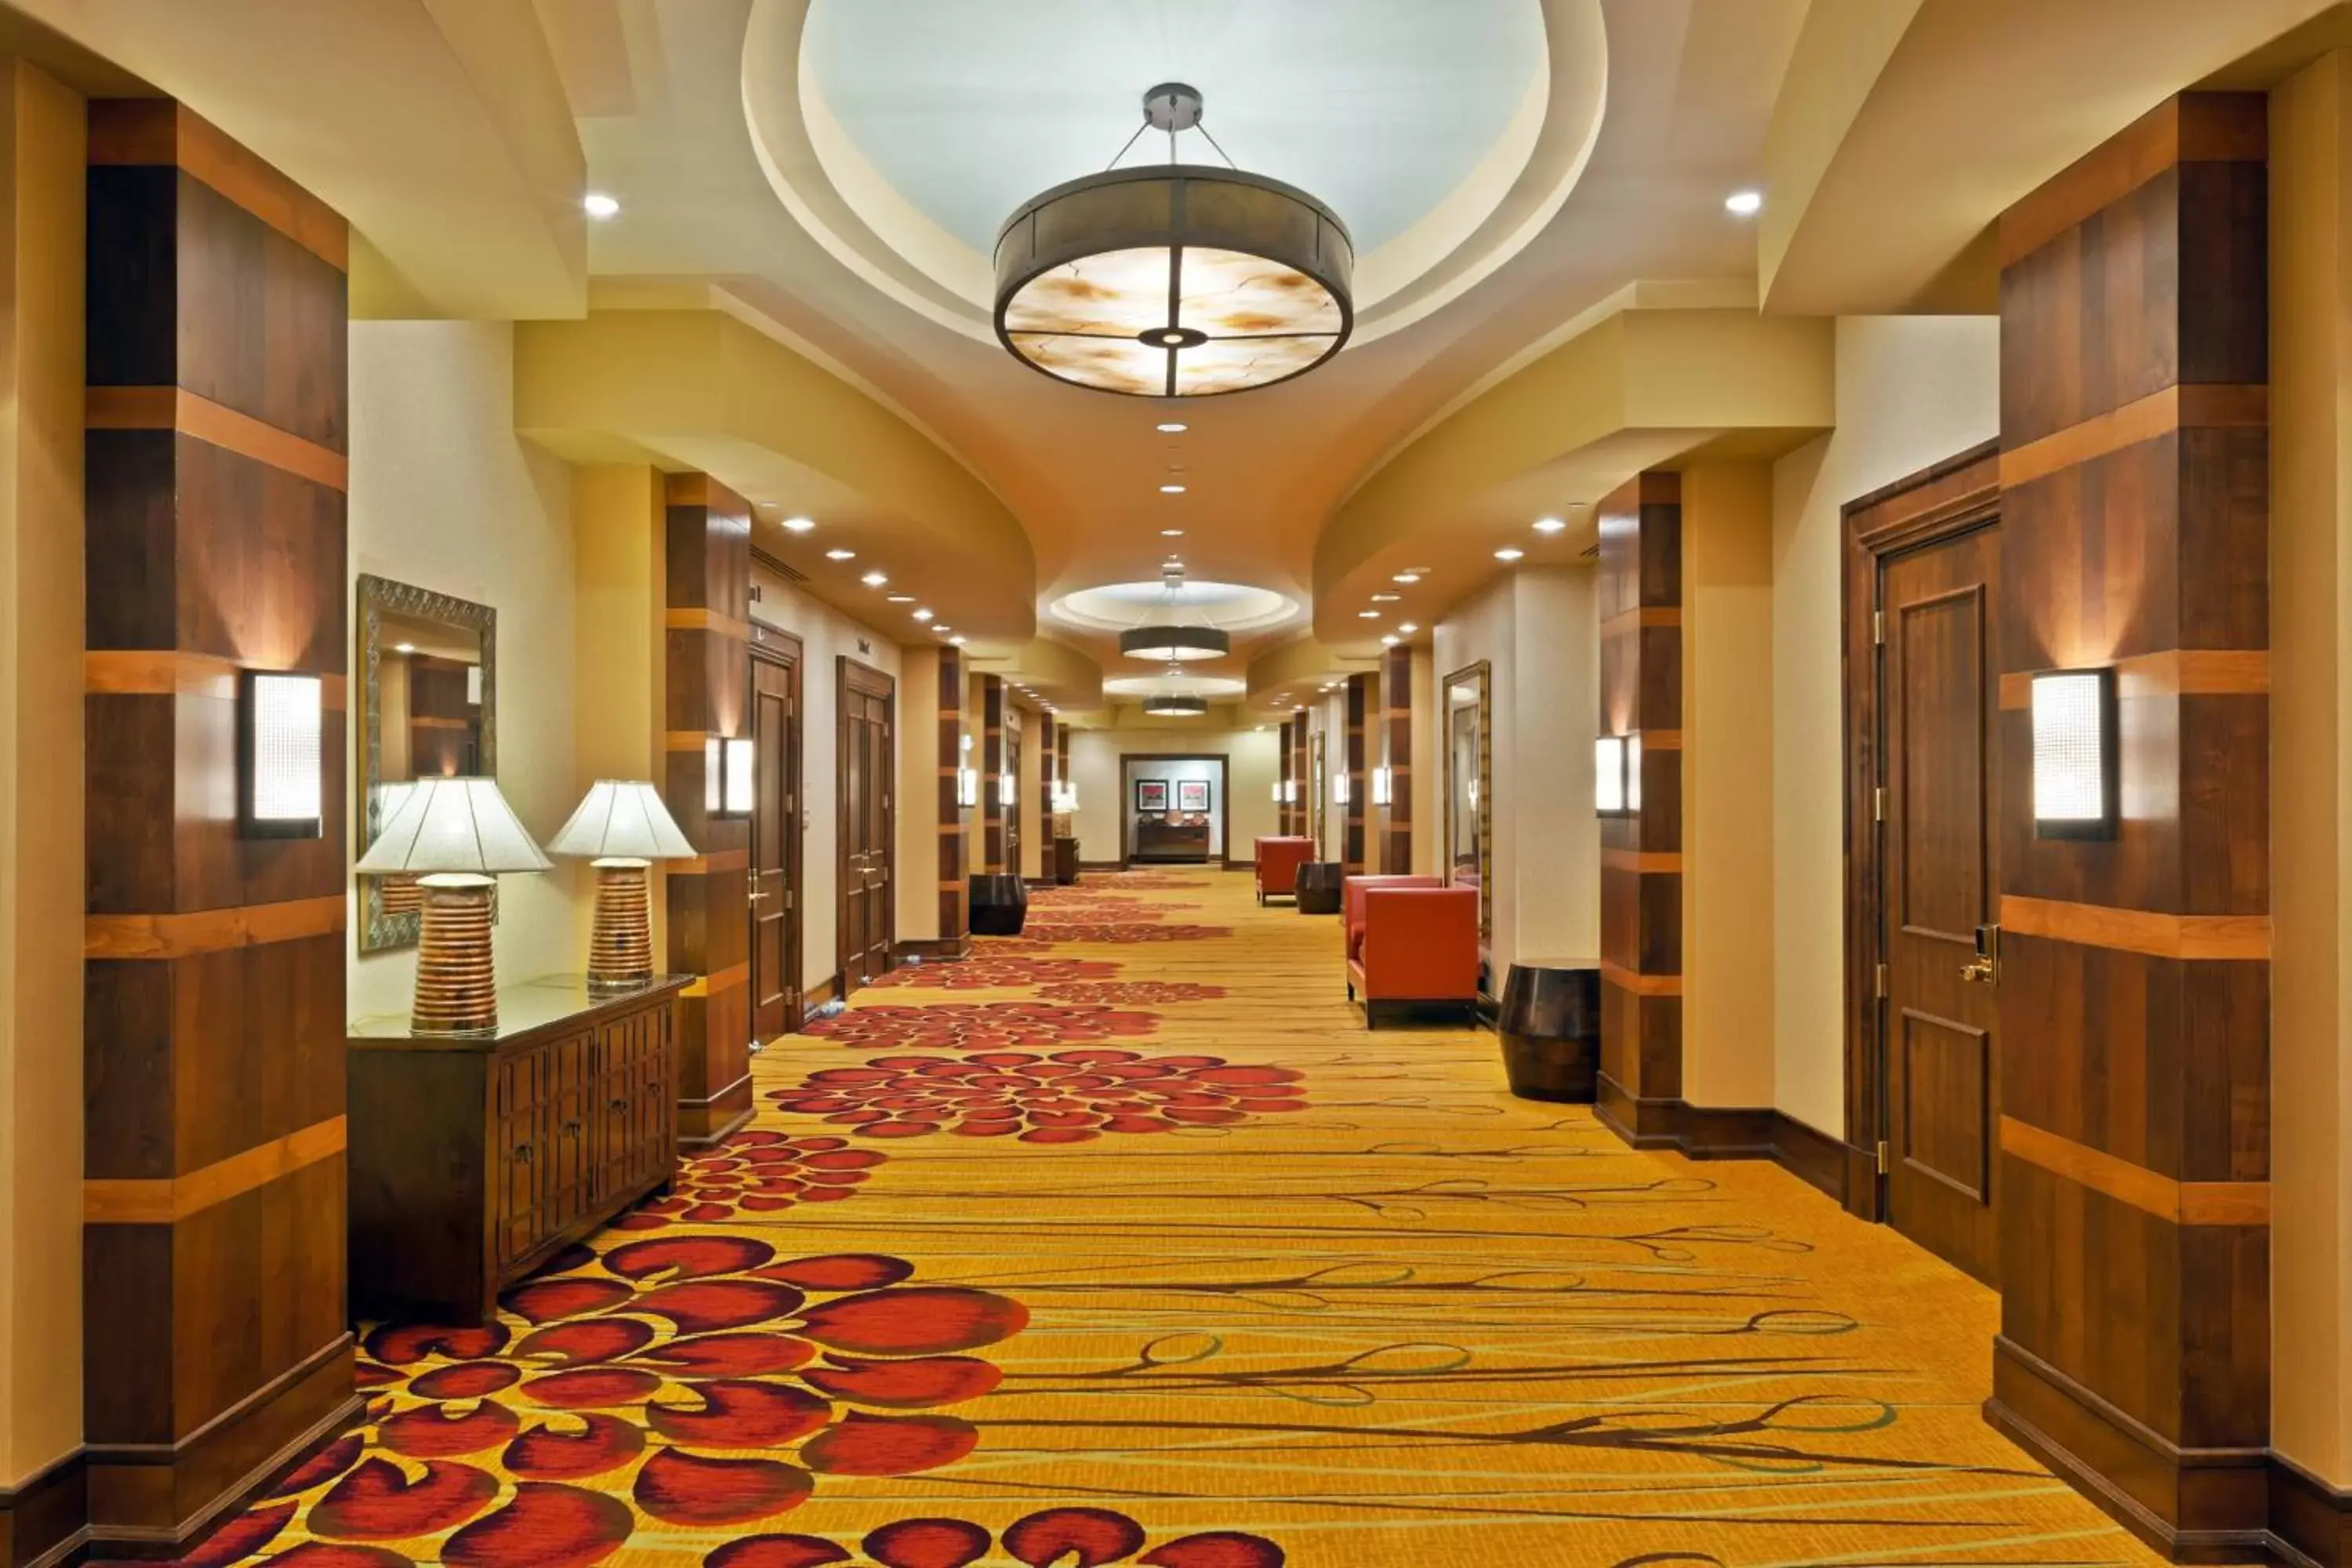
(1160, 839)
(474, 1160)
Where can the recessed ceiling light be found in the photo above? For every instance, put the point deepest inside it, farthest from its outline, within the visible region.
(874, 579)
(1744, 204)
(1171, 534)
(1171, 489)
(1407, 578)
(1173, 427)
(1507, 554)
(943, 626)
(922, 615)
(599, 207)
(1391, 640)
(841, 555)
(1551, 525)
(1407, 628)
(1368, 615)
(798, 525)
(403, 648)
(902, 598)
(955, 642)
(1386, 599)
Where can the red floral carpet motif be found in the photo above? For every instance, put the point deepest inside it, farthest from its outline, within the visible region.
(1058, 1537)
(758, 1171)
(982, 1026)
(1136, 931)
(983, 972)
(1116, 993)
(1070, 1097)
(1094, 910)
(596, 1391)
(1149, 882)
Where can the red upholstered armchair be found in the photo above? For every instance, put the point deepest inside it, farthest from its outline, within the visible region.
(1278, 860)
(1351, 905)
(1420, 945)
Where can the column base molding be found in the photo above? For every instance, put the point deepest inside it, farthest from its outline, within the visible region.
(1727, 1133)
(2194, 1505)
(705, 1123)
(936, 949)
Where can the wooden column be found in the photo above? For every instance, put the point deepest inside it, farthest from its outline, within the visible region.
(955, 893)
(1396, 705)
(1356, 846)
(2135, 1133)
(214, 1344)
(1640, 604)
(1302, 810)
(707, 537)
(991, 769)
(1282, 807)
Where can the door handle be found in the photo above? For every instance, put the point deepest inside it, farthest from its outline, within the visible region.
(1985, 969)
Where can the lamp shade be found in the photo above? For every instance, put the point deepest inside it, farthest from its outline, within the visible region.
(622, 819)
(450, 826)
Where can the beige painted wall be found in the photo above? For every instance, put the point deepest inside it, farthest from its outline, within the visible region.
(1537, 630)
(1254, 762)
(918, 794)
(826, 637)
(42, 164)
(1727, 952)
(444, 495)
(2311, 767)
(619, 644)
(1428, 764)
(1910, 391)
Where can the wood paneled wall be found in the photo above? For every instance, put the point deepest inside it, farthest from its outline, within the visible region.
(993, 717)
(1356, 840)
(954, 863)
(1640, 606)
(707, 540)
(2133, 1352)
(1396, 708)
(1302, 810)
(214, 1342)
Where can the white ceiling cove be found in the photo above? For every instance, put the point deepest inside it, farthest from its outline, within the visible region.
(1380, 108)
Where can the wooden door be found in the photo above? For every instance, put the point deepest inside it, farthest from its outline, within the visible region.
(866, 825)
(1939, 699)
(773, 884)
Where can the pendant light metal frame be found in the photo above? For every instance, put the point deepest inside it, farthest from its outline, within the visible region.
(1175, 706)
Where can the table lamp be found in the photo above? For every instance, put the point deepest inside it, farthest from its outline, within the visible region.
(457, 834)
(621, 827)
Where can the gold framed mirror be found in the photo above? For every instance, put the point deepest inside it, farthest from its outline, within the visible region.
(1469, 786)
(428, 707)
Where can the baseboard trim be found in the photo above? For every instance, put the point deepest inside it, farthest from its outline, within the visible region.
(1726, 1133)
(45, 1517)
(2311, 1522)
(815, 1000)
(937, 950)
(1102, 866)
(2205, 1505)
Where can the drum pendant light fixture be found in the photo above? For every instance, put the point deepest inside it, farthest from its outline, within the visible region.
(1175, 280)
(1171, 706)
(1164, 639)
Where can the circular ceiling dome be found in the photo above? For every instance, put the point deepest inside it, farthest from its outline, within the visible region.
(1441, 136)
(1228, 607)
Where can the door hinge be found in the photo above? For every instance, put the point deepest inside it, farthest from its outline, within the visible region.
(1882, 982)
(1881, 1156)
(1878, 804)
(789, 901)
(1878, 627)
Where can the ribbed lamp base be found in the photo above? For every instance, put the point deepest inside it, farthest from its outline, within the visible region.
(621, 950)
(457, 984)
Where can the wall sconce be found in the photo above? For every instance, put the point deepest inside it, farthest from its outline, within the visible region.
(1277, 792)
(1006, 785)
(1610, 776)
(1633, 775)
(1065, 798)
(2075, 763)
(728, 765)
(968, 786)
(279, 758)
(1339, 789)
(1380, 786)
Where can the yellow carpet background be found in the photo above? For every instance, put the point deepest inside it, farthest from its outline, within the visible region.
(1378, 1312)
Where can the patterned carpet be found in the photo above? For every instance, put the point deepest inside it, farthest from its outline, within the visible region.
(1125, 1244)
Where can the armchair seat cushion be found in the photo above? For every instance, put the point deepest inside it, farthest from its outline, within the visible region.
(1420, 944)
(1278, 863)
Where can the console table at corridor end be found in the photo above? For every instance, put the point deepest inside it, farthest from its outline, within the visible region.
(473, 1158)
(1550, 1024)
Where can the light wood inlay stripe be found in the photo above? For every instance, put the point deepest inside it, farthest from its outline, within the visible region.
(2200, 127)
(724, 980)
(165, 672)
(1640, 617)
(2182, 1203)
(695, 620)
(158, 132)
(1658, 740)
(1641, 984)
(2158, 414)
(2149, 932)
(685, 741)
(2179, 672)
(175, 408)
(703, 865)
(167, 1200)
(209, 931)
(1647, 861)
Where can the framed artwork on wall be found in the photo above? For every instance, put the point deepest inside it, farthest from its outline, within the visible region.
(1192, 795)
(1151, 795)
